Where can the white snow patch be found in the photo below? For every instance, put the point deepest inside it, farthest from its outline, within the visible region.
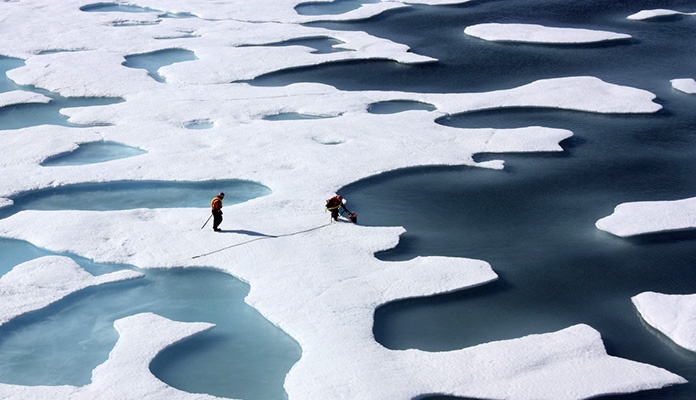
(686, 85)
(531, 33)
(673, 315)
(656, 13)
(637, 218)
(21, 97)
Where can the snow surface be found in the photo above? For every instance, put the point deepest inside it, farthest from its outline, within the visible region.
(21, 97)
(656, 13)
(638, 218)
(531, 33)
(673, 315)
(323, 296)
(686, 85)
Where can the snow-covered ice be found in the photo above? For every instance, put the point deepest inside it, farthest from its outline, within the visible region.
(644, 217)
(686, 85)
(672, 314)
(21, 97)
(323, 296)
(531, 33)
(656, 13)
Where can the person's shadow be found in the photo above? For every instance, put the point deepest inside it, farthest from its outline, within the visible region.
(248, 233)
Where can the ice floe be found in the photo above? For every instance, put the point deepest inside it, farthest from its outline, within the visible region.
(638, 218)
(672, 314)
(531, 33)
(656, 13)
(21, 97)
(686, 85)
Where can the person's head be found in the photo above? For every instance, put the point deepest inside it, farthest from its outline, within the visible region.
(221, 195)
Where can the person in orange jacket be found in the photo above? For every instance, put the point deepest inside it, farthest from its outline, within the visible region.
(334, 205)
(216, 208)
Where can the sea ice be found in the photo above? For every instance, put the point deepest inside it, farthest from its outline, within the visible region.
(530, 33)
(673, 315)
(21, 97)
(686, 85)
(324, 296)
(638, 218)
(656, 13)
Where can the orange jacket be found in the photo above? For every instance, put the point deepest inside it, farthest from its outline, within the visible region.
(334, 202)
(216, 203)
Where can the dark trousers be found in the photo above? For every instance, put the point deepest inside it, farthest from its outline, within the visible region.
(217, 219)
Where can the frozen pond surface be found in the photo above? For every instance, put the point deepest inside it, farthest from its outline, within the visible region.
(127, 195)
(152, 62)
(90, 153)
